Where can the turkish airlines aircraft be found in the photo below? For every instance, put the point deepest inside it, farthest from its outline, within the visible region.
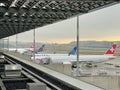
(71, 59)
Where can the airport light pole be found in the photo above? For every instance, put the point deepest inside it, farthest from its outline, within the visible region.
(0, 44)
(3, 45)
(34, 42)
(16, 42)
(8, 43)
(77, 72)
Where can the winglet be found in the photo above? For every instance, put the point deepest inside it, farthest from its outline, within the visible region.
(112, 49)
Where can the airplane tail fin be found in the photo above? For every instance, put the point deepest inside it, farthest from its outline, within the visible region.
(73, 51)
(41, 48)
(112, 49)
(32, 46)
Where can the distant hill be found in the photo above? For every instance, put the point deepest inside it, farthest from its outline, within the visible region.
(95, 44)
(82, 44)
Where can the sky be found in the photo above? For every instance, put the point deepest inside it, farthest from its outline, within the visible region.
(100, 25)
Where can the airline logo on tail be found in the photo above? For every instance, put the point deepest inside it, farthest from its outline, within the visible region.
(41, 48)
(32, 46)
(73, 51)
(111, 50)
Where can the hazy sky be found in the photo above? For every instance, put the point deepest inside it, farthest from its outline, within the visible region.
(103, 24)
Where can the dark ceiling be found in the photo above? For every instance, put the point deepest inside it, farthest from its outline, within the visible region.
(18, 16)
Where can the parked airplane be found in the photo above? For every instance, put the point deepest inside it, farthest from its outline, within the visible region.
(32, 50)
(39, 56)
(72, 59)
(22, 50)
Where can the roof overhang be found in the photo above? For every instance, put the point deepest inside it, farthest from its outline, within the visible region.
(18, 16)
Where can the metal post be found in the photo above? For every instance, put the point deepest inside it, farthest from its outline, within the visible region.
(34, 43)
(3, 45)
(0, 45)
(16, 42)
(77, 72)
(8, 43)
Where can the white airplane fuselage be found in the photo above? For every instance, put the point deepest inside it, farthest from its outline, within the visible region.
(72, 58)
(65, 59)
(82, 58)
(21, 50)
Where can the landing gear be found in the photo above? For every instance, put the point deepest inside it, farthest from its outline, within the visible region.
(74, 66)
(90, 65)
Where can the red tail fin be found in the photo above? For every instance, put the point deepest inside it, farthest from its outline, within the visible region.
(111, 50)
(32, 46)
